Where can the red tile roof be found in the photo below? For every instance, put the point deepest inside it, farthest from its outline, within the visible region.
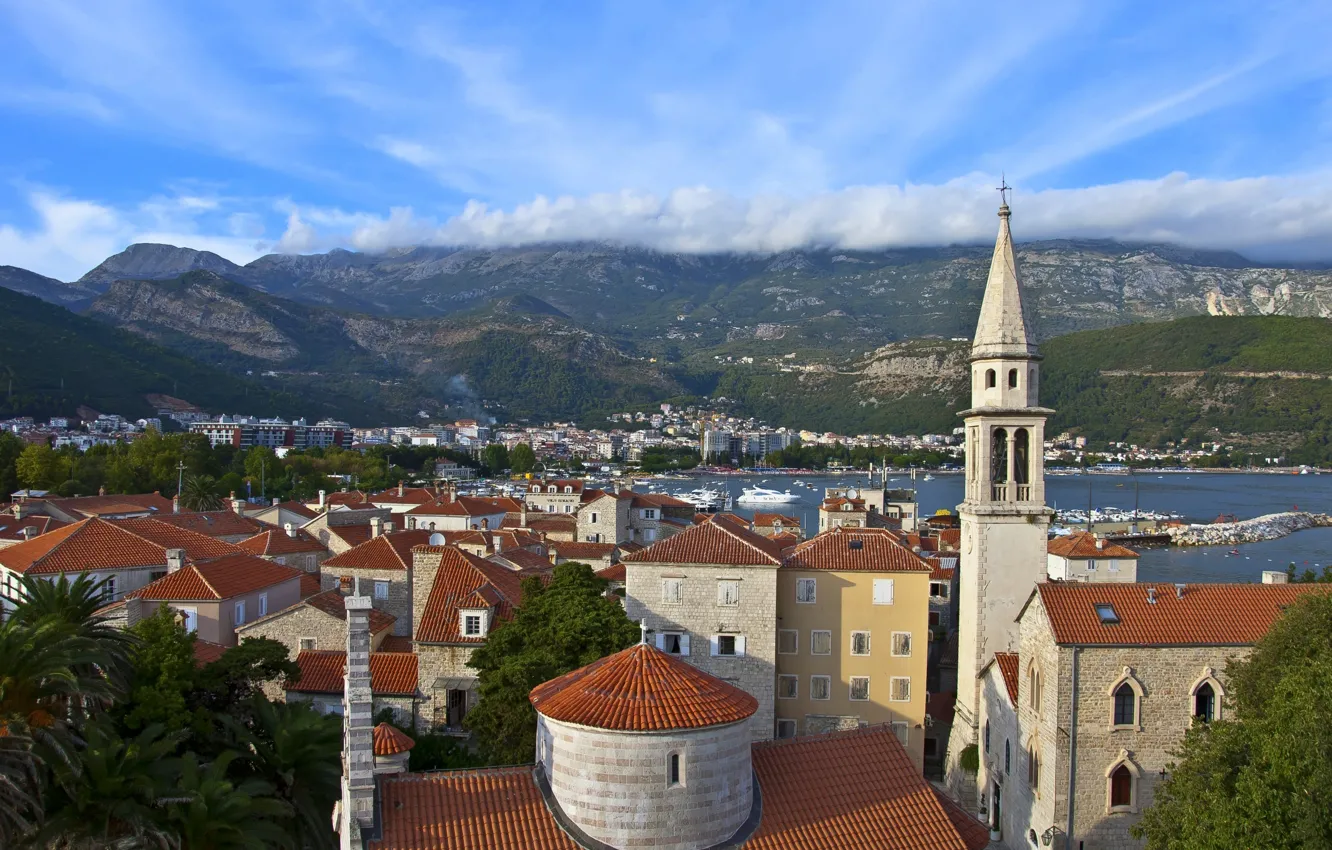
(1082, 544)
(352, 535)
(552, 522)
(90, 506)
(763, 520)
(389, 741)
(642, 689)
(391, 551)
(98, 544)
(333, 603)
(497, 808)
(395, 643)
(654, 500)
(855, 549)
(225, 578)
(12, 529)
(213, 523)
(1007, 662)
(467, 506)
(840, 504)
(950, 538)
(408, 496)
(275, 541)
(206, 652)
(575, 485)
(523, 559)
(322, 672)
(1206, 615)
(343, 497)
(579, 551)
(855, 790)
(461, 576)
(309, 585)
(615, 572)
(714, 541)
(298, 508)
(939, 572)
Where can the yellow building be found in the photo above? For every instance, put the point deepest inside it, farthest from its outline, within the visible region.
(852, 630)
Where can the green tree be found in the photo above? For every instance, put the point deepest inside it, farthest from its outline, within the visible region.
(230, 685)
(76, 603)
(557, 628)
(218, 812)
(10, 449)
(40, 466)
(496, 458)
(522, 459)
(164, 675)
(260, 466)
(1261, 777)
(199, 493)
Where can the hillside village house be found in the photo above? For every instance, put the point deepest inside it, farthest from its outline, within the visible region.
(318, 622)
(383, 567)
(290, 546)
(341, 528)
(227, 526)
(1082, 556)
(560, 496)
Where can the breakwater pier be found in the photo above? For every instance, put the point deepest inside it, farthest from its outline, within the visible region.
(1266, 527)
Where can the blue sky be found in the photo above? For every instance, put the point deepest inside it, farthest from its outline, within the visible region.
(250, 127)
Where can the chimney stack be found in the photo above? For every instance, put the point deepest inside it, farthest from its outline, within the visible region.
(289, 528)
(101, 491)
(28, 532)
(1100, 543)
(358, 784)
(175, 504)
(323, 499)
(175, 559)
(1179, 590)
(388, 528)
(1275, 577)
(401, 490)
(453, 491)
(376, 526)
(554, 556)
(485, 523)
(276, 501)
(1151, 595)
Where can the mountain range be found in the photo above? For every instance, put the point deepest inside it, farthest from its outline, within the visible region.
(821, 338)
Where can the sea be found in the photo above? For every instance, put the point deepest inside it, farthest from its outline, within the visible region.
(1196, 496)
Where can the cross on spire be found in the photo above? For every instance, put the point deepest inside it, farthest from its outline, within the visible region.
(1003, 189)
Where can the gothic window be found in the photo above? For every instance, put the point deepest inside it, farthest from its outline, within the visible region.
(987, 736)
(1034, 688)
(1033, 764)
(999, 456)
(1121, 789)
(1021, 452)
(1204, 703)
(1126, 705)
(1012, 378)
(989, 379)
(674, 770)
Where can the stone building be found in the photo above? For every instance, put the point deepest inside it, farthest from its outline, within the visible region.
(290, 546)
(603, 517)
(279, 514)
(852, 636)
(1004, 518)
(383, 566)
(709, 595)
(1106, 680)
(771, 525)
(393, 684)
(457, 513)
(557, 496)
(402, 498)
(227, 526)
(1082, 556)
(596, 555)
(342, 528)
(317, 622)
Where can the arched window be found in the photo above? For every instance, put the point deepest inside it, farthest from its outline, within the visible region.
(987, 736)
(989, 379)
(1034, 688)
(1121, 788)
(999, 456)
(1033, 764)
(1126, 705)
(1204, 703)
(1012, 378)
(1008, 757)
(674, 769)
(1021, 454)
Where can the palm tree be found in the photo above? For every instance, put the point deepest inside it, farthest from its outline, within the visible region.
(76, 603)
(116, 793)
(197, 494)
(297, 750)
(214, 813)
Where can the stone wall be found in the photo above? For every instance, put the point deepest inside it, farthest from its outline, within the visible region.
(755, 618)
(399, 601)
(712, 800)
(612, 521)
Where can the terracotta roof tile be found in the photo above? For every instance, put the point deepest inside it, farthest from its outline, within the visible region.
(642, 689)
(578, 551)
(309, 585)
(656, 500)
(1206, 615)
(1007, 662)
(390, 741)
(395, 643)
(575, 485)
(855, 790)
(940, 572)
(94, 544)
(90, 506)
(349, 498)
(298, 508)
(839, 504)
(950, 538)
(713, 541)
(333, 603)
(206, 652)
(352, 535)
(12, 529)
(224, 578)
(276, 541)
(615, 572)
(408, 496)
(460, 575)
(497, 808)
(1081, 544)
(855, 549)
(522, 559)
(391, 551)
(322, 672)
(764, 520)
(464, 506)
(213, 523)
(197, 546)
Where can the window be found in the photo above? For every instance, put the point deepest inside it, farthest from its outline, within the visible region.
(240, 613)
(1034, 688)
(934, 618)
(263, 604)
(899, 689)
(568, 509)
(471, 625)
(820, 687)
(860, 688)
(568, 489)
(1121, 788)
(989, 379)
(903, 732)
(902, 644)
(883, 591)
(189, 618)
(788, 641)
(788, 687)
(1091, 565)
(1204, 703)
(786, 728)
(1008, 757)
(728, 592)
(1012, 378)
(109, 588)
(1033, 765)
(860, 643)
(987, 736)
(648, 513)
(805, 590)
(1126, 705)
(728, 645)
(673, 643)
(1106, 612)
(592, 518)
(672, 591)
(1112, 565)
(674, 770)
(381, 590)
(938, 590)
(820, 643)
(309, 644)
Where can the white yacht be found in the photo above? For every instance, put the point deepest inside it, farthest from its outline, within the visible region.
(764, 496)
(707, 500)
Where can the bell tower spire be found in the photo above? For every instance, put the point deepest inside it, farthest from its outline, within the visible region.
(1004, 517)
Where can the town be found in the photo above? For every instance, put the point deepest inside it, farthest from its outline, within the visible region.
(554, 658)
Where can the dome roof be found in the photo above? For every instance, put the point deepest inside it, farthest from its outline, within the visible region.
(642, 689)
(389, 741)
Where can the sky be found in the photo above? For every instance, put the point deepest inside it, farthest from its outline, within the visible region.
(246, 128)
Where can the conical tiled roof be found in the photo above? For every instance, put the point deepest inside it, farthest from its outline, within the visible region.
(390, 741)
(1002, 329)
(642, 689)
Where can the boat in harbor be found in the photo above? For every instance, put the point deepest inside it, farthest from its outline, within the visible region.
(709, 500)
(764, 496)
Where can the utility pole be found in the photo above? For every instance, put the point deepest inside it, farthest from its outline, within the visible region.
(180, 476)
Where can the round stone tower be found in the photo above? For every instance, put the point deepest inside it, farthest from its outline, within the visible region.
(642, 749)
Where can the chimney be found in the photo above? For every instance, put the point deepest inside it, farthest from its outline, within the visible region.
(401, 489)
(522, 513)
(392, 763)
(376, 526)
(1100, 543)
(175, 559)
(453, 491)
(485, 524)
(133, 611)
(1275, 577)
(289, 528)
(1151, 595)
(421, 579)
(101, 491)
(276, 501)
(175, 504)
(388, 528)
(554, 556)
(323, 499)
(1179, 590)
(358, 782)
(28, 532)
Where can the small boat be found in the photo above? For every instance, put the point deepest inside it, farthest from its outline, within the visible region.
(1234, 552)
(927, 477)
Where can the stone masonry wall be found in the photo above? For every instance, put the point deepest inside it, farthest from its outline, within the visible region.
(399, 601)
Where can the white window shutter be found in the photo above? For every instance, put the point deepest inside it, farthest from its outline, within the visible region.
(713, 641)
(661, 641)
(684, 644)
(739, 646)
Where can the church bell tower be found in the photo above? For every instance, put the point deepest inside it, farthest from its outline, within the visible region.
(1004, 518)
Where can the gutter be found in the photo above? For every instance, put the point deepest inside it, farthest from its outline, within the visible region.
(1072, 750)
